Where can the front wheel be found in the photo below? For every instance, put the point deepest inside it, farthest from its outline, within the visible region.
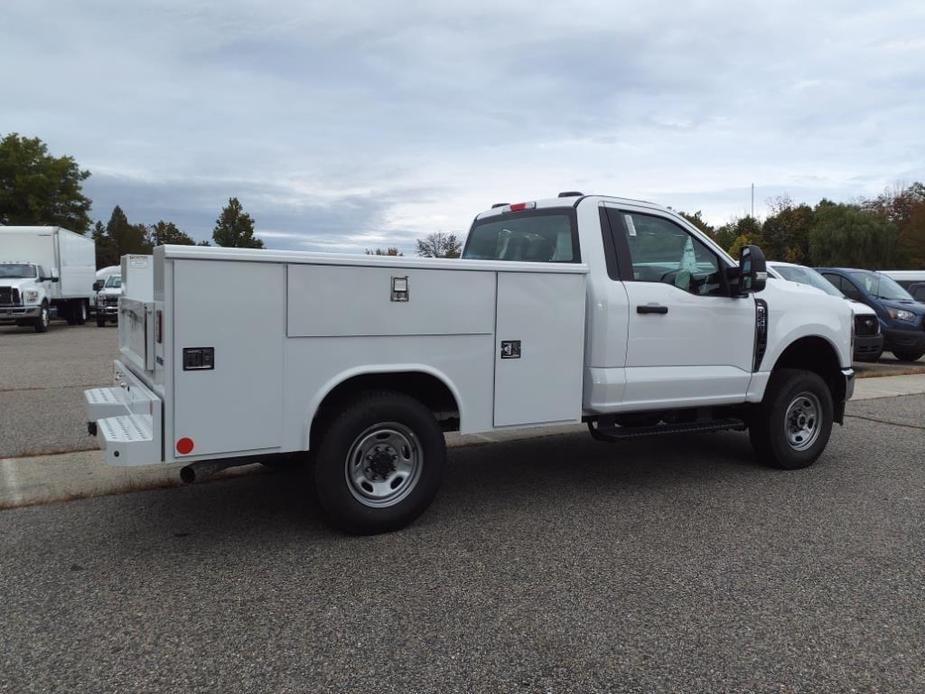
(41, 323)
(100, 320)
(379, 463)
(791, 427)
(903, 355)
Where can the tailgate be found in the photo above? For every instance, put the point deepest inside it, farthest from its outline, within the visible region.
(136, 333)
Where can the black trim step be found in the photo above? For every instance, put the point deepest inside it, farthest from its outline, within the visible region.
(617, 433)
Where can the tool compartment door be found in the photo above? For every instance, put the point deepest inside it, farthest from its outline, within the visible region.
(539, 348)
(228, 400)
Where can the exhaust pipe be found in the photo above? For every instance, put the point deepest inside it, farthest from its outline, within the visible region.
(203, 469)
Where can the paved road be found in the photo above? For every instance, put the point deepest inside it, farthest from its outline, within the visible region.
(557, 564)
(42, 379)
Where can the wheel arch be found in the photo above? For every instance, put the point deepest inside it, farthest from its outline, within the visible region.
(424, 383)
(817, 354)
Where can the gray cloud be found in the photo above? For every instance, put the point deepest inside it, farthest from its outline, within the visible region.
(338, 124)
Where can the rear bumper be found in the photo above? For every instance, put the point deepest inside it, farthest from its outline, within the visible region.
(126, 420)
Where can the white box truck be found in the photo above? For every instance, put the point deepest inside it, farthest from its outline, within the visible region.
(45, 272)
(613, 312)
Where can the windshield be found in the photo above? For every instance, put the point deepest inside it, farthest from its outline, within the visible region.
(880, 286)
(806, 275)
(113, 281)
(541, 237)
(17, 270)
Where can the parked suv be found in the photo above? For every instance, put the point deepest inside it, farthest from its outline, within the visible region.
(902, 318)
(868, 339)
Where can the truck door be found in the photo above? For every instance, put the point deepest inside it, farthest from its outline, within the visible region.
(689, 342)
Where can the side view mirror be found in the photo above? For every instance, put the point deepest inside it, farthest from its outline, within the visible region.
(753, 270)
(98, 284)
(48, 279)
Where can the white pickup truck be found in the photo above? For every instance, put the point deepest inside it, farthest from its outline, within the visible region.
(594, 309)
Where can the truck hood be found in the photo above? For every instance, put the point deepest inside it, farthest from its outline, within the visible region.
(19, 283)
(110, 291)
(860, 309)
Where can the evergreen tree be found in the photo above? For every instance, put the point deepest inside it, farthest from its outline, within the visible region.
(234, 228)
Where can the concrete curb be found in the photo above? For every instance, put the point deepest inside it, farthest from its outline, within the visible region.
(81, 474)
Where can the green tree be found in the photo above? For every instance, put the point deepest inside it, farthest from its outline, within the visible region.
(106, 252)
(729, 234)
(849, 236)
(786, 232)
(439, 245)
(234, 228)
(162, 233)
(387, 251)
(697, 220)
(127, 238)
(37, 188)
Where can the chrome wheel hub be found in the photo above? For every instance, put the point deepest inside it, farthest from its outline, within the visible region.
(802, 421)
(383, 464)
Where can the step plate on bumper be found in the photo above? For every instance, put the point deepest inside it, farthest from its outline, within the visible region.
(126, 420)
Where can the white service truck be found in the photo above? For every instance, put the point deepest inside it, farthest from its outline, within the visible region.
(613, 312)
(45, 272)
(137, 270)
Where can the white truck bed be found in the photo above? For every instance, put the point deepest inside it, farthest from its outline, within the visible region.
(286, 328)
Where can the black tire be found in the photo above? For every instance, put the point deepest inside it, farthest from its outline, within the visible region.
(100, 321)
(903, 355)
(41, 323)
(342, 451)
(81, 312)
(777, 442)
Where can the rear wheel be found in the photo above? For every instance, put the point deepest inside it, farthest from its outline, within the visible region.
(791, 427)
(904, 355)
(80, 312)
(379, 463)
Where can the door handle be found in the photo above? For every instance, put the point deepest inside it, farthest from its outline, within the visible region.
(652, 308)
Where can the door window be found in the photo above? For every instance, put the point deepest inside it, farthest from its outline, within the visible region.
(662, 251)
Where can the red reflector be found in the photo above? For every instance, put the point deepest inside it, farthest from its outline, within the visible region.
(185, 446)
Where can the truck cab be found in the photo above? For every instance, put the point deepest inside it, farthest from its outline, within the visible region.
(25, 294)
(606, 311)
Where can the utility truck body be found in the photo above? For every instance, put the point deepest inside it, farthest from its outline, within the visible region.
(45, 272)
(585, 308)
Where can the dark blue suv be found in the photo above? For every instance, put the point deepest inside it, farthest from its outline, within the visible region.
(902, 318)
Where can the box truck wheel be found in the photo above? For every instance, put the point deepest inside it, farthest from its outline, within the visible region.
(379, 463)
(100, 319)
(791, 427)
(80, 312)
(41, 323)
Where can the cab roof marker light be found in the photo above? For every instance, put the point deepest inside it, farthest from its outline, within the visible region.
(518, 206)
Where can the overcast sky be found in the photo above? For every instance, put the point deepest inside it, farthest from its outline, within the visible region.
(351, 125)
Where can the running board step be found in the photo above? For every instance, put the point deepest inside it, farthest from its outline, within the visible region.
(617, 433)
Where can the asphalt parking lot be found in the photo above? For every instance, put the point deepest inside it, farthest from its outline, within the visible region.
(552, 564)
(556, 564)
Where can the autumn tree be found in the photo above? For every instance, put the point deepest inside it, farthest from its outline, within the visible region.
(698, 221)
(439, 245)
(234, 227)
(37, 188)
